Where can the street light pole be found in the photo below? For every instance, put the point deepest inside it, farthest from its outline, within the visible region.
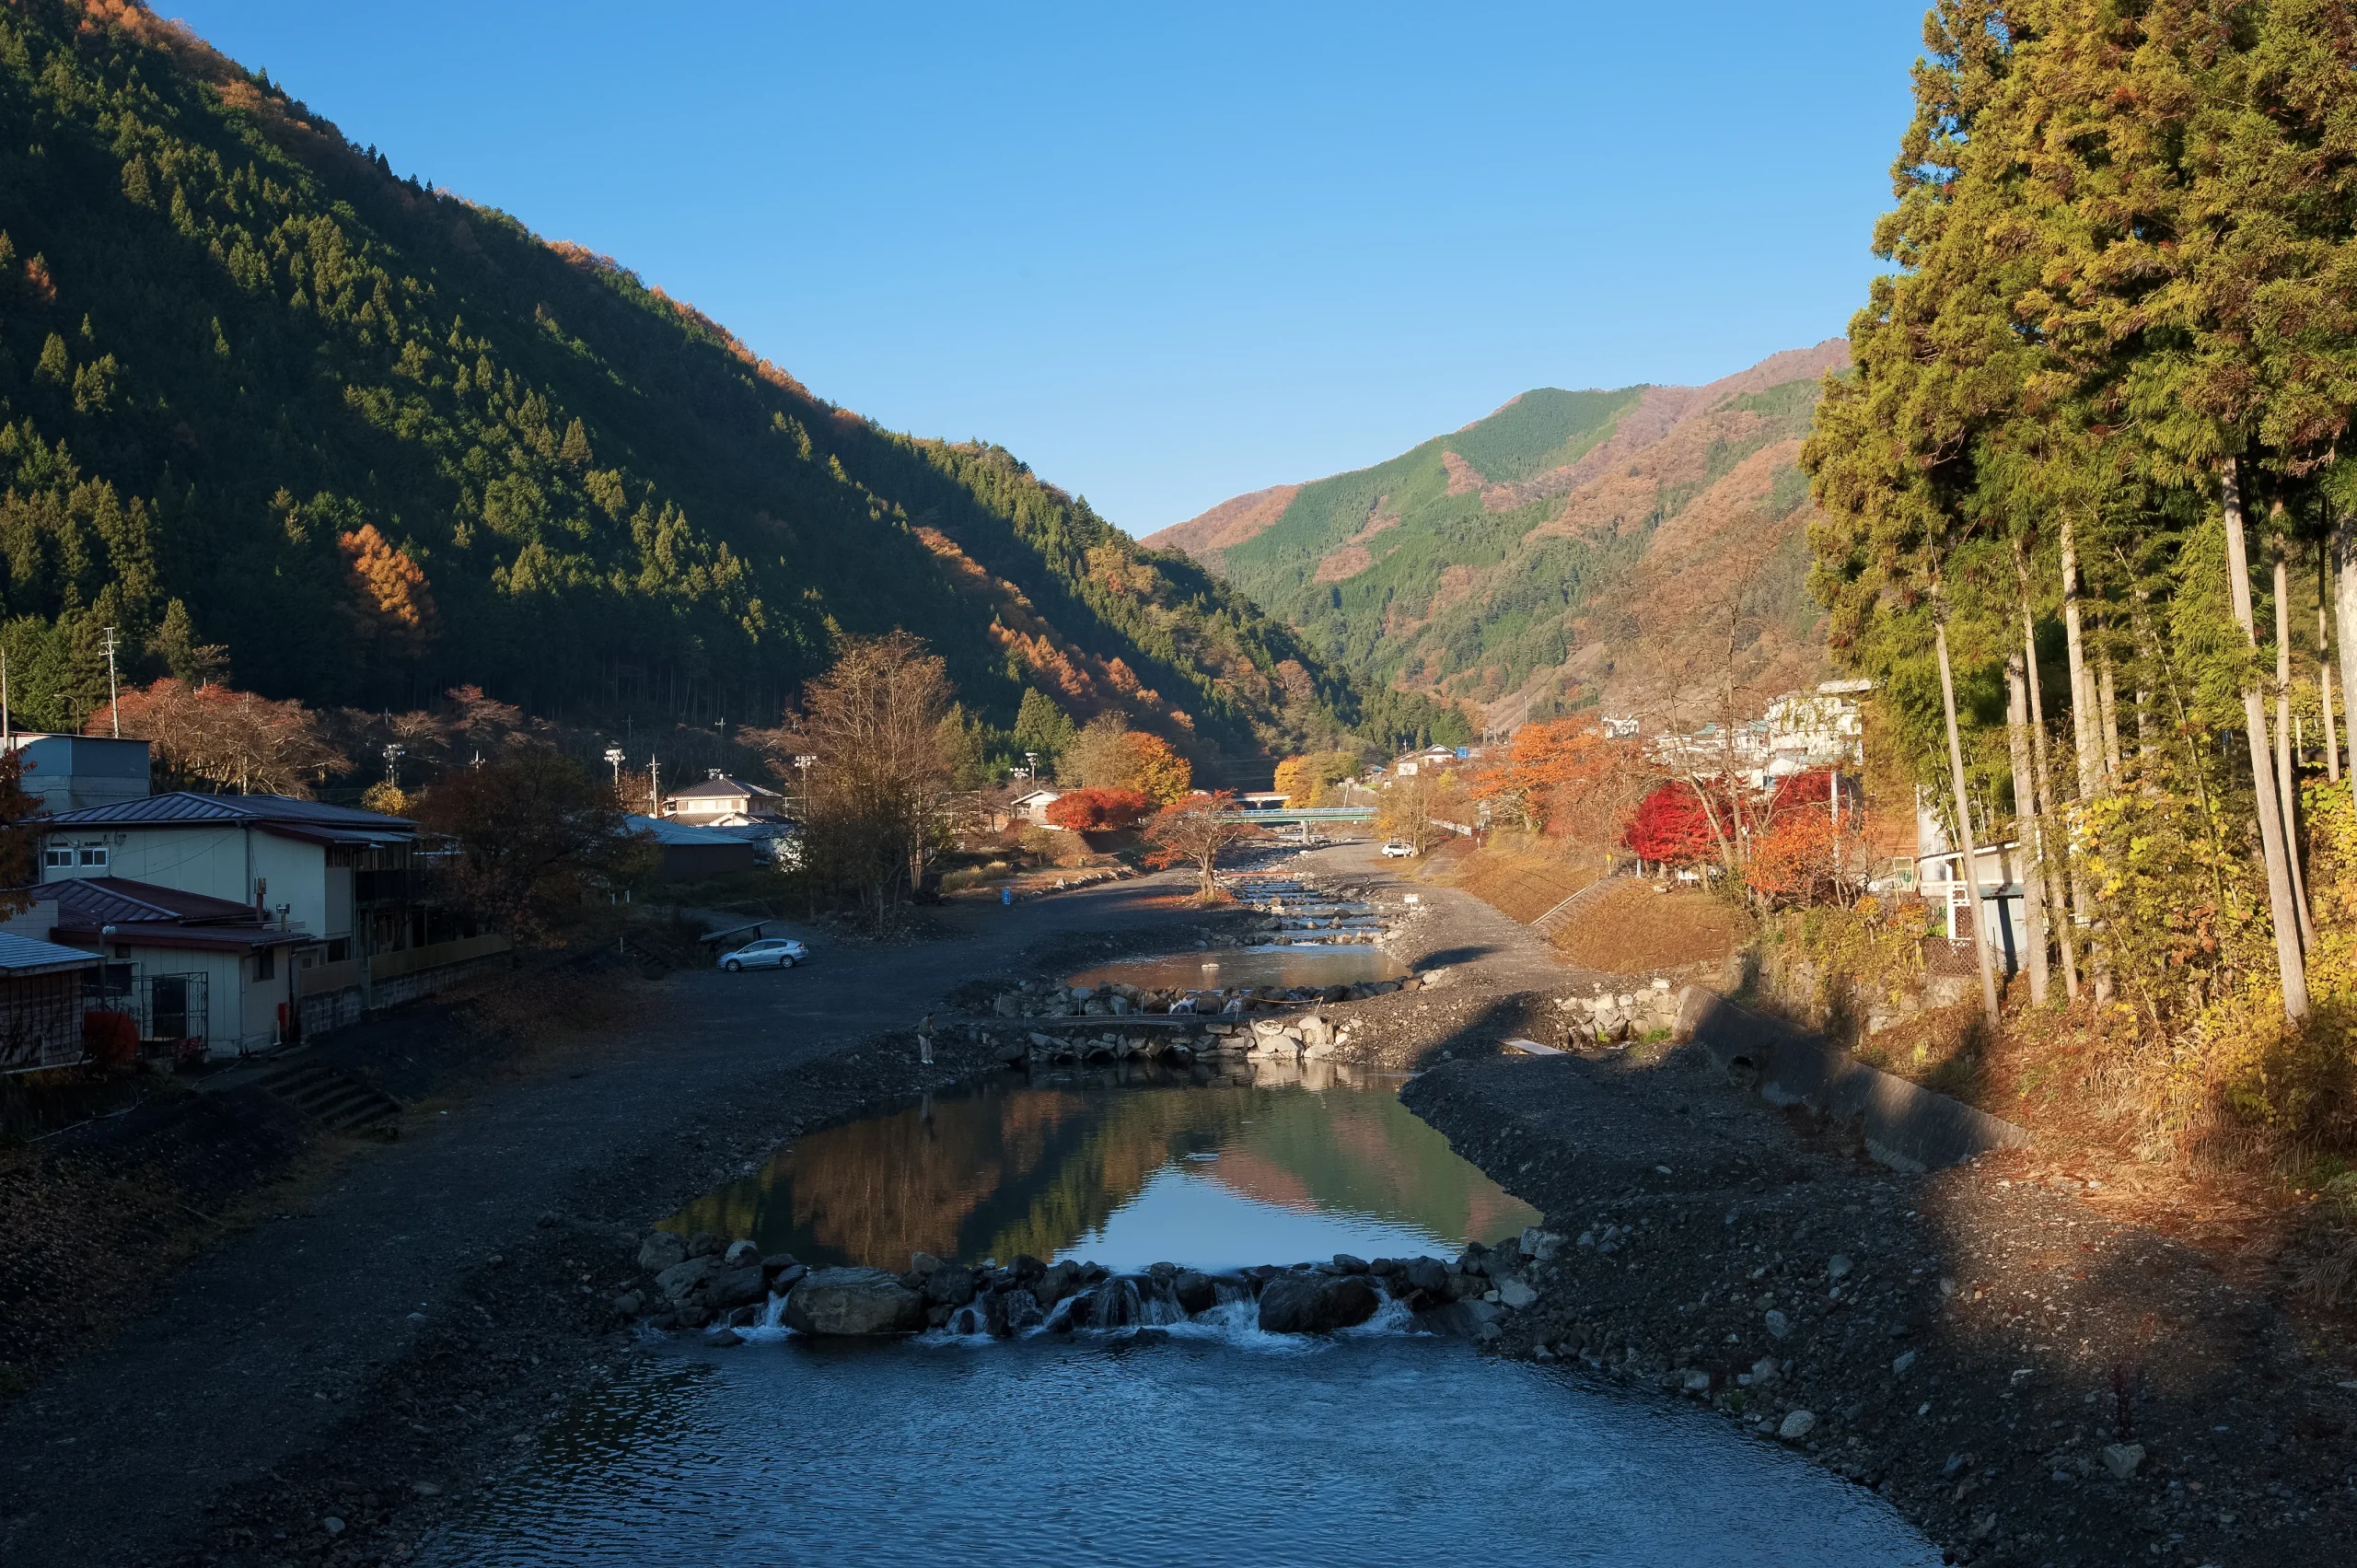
(614, 756)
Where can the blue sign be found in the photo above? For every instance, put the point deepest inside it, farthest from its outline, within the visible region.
(1006, 895)
(1463, 752)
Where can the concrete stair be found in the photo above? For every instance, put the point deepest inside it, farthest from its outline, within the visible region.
(327, 1097)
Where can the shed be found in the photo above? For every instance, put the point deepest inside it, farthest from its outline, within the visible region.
(45, 989)
(691, 854)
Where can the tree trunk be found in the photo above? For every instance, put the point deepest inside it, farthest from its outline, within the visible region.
(2287, 781)
(2344, 611)
(2051, 845)
(2089, 748)
(2107, 704)
(1964, 829)
(2031, 831)
(2288, 960)
(2085, 717)
(2325, 663)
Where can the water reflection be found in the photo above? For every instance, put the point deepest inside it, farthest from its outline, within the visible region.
(1126, 1166)
(1343, 964)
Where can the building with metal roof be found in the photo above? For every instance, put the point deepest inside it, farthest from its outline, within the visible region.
(332, 910)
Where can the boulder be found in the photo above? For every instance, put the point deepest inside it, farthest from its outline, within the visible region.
(740, 1253)
(1465, 1320)
(949, 1285)
(1055, 1282)
(704, 1244)
(1008, 1006)
(1194, 1292)
(661, 1250)
(680, 1279)
(848, 1302)
(1797, 1426)
(1514, 1295)
(2121, 1459)
(786, 1279)
(735, 1287)
(1427, 1275)
(1314, 1303)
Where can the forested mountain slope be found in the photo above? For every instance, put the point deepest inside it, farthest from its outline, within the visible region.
(1577, 547)
(257, 394)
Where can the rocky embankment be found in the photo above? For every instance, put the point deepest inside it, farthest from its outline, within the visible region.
(697, 1282)
(2029, 1381)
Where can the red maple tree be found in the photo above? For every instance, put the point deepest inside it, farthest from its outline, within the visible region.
(1092, 810)
(1671, 827)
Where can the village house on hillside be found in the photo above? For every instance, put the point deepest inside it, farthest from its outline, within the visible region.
(734, 810)
(723, 802)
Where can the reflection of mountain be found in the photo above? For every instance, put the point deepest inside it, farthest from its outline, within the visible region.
(1000, 1172)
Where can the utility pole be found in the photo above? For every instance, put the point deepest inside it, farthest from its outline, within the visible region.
(654, 787)
(393, 766)
(614, 756)
(114, 705)
(7, 735)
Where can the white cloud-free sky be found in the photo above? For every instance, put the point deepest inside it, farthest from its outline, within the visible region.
(1165, 253)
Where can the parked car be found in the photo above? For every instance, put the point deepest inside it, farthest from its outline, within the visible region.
(1397, 850)
(770, 953)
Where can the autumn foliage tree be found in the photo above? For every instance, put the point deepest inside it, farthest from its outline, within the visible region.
(529, 832)
(1093, 811)
(882, 723)
(1309, 780)
(1196, 831)
(228, 738)
(1568, 779)
(1671, 827)
(1108, 754)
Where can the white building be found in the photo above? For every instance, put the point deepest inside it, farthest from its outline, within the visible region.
(319, 907)
(723, 802)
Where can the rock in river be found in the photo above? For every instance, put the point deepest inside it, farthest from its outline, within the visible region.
(1313, 1303)
(853, 1301)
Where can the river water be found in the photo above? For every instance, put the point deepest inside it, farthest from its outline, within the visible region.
(1207, 1441)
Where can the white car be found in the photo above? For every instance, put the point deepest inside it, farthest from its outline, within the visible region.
(771, 953)
(1396, 850)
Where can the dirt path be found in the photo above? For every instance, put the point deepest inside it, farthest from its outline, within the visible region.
(270, 1347)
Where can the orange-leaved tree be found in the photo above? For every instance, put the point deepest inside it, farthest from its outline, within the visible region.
(1569, 779)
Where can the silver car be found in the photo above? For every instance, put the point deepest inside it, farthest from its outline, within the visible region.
(770, 953)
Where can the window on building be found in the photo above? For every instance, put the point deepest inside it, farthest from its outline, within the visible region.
(57, 857)
(94, 854)
(338, 949)
(265, 963)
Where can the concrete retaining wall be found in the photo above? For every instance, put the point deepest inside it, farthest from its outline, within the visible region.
(1905, 1126)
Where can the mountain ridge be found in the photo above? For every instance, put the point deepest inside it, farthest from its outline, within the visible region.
(261, 399)
(1564, 548)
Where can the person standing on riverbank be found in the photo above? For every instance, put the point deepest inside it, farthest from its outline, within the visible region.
(924, 1040)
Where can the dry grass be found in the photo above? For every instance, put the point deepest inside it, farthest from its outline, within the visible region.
(1519, 883)
(1632, 929)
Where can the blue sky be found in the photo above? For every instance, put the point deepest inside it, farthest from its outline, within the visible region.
(1165, 254)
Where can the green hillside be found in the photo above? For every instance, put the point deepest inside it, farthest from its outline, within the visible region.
(373, 441)
(1482, 563)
